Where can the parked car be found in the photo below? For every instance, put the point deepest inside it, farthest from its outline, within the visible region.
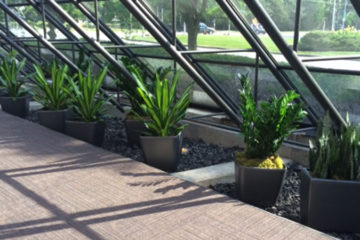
(205, 29)
(258, 29)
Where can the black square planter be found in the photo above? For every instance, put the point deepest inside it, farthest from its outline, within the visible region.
(91, 132)
(18, 106)
(133, 130)
(330, 205)
(258, 186)
(54, 120)
(162, 152)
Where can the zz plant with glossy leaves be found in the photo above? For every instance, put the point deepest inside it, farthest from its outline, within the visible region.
(9, 76)
(266, 128)
(163, 112)
(52, 95)
(85, 95)
(336, 155)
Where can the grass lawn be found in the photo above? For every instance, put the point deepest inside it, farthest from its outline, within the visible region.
(239, 42)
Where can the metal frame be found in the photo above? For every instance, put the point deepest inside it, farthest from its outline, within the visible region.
(48, 44)
(272, 30)
(165, 39)
(241, 24)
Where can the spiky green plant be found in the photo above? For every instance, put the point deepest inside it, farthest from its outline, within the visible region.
(130, 87)
(9, 76)
(51, 95)
(85, 95)
(163, 112)
(266, 128)
(336, 155)
(83, 63)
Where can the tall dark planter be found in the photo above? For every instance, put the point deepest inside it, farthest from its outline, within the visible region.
(54, 120)
(330, 205)
(18, 107)
(133, 129)
(258, 186)
(91, 132)
(162, 152)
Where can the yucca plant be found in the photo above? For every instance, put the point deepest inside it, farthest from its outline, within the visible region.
(9, 76)
(336, 155)
(130, 87)
(162, 110)
(86, 100)
(52, 95)
(265, 128)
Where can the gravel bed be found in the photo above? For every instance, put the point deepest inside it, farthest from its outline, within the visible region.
(288, 203)
(198, 153)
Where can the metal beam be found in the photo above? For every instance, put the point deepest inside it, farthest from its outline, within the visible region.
(297, 25)
(251, 37)
(46, 43)
(291, 56)
(183, 61)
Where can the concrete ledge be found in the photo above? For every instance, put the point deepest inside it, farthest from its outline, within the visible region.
(206, 176)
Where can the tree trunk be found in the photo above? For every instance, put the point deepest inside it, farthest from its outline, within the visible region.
(192, 30)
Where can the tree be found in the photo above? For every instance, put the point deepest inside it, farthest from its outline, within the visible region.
(193, 11)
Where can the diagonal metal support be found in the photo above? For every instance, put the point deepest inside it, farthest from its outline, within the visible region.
(291, 56)
(56, 7)
(356, 5)
(46, 43)
(111, 35)
(166, 40)
(251, 37)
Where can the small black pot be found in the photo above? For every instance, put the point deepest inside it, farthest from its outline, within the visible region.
(258, 186)
(162, 152)
(133, 130)
(18, 107)
(91, 132)
(54, 120)
(330, 205)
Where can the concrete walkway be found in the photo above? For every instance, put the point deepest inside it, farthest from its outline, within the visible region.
(55, 187)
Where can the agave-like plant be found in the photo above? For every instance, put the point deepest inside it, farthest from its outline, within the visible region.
(163, 112)
(130, 87)
(9, 76)
(85, 95)
(336, 155)
(266, 128)
(52, 95)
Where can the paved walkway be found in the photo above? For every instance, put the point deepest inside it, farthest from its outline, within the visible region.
(54, 187)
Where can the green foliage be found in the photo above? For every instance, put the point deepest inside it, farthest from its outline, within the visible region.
(83, 63)
(336, 156)
(9, 76)
(330, 41)
(51, 95)
(130, 87)
(265, 129)
(85, 98)
(163, 112)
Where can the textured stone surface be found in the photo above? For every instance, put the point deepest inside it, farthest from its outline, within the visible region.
(56, 187)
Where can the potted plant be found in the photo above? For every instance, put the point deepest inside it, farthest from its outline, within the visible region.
(88, 105)
(259, 170)
(161, 144)
(52, 96)
(133, 126)
(13, 100)
(330, 192)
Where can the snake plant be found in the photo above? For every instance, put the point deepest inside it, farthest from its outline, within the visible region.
(9, 76)
(266, 128)
(336, 155)
(163, 112)
(51, 95)
(85, 95)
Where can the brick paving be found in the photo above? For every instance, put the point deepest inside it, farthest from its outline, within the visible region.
(55, 187)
